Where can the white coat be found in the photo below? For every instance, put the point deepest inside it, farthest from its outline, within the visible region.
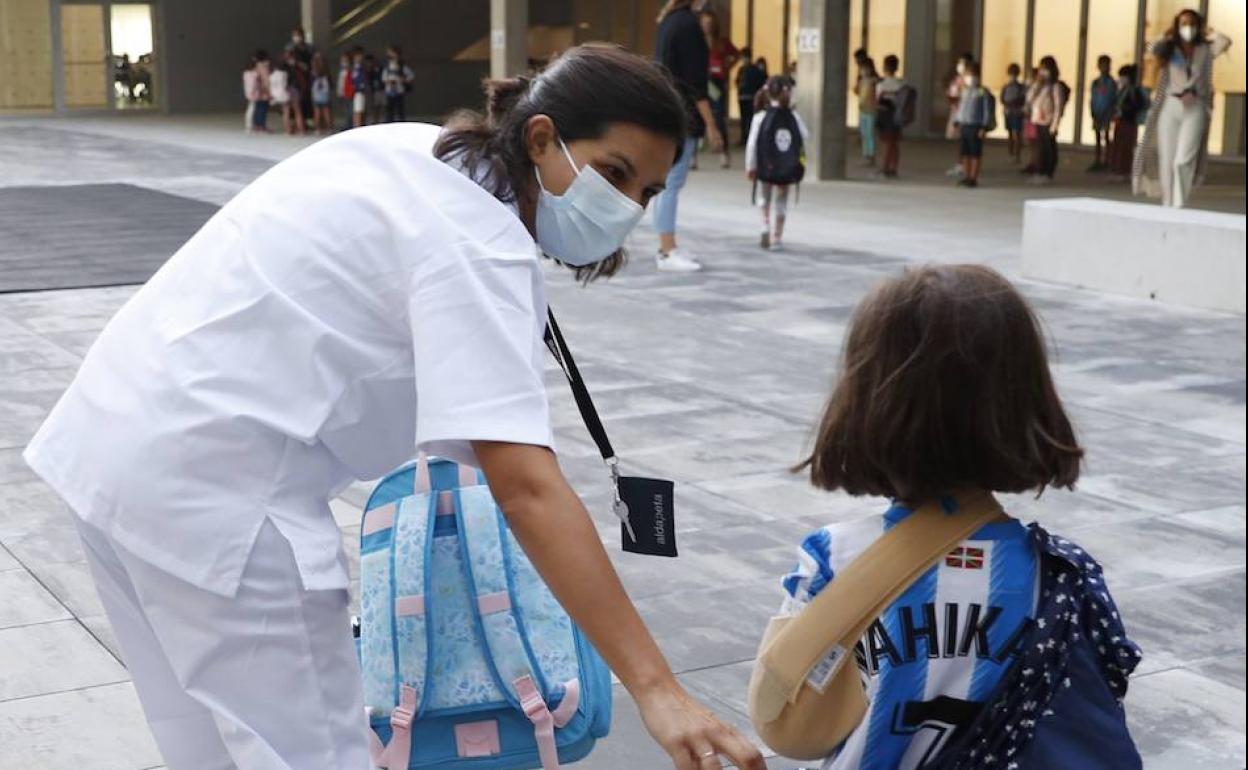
(358, 301)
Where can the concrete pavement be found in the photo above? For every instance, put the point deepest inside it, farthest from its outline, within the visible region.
(714, 380)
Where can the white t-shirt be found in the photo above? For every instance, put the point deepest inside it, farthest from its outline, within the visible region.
(279, 82)
(357, 301)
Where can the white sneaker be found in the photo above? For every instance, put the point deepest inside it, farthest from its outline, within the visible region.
(675, 262)
(955, 171)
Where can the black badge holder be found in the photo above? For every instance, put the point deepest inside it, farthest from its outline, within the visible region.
(649, 503)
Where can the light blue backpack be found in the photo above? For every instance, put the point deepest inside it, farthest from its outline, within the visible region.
(469, 661)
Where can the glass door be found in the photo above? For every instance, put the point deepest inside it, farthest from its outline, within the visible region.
(133, 56)
(84, 64)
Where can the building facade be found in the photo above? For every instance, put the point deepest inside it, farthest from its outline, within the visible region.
(65, 56)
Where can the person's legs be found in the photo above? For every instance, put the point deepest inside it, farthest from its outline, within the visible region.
(184, 729)
(665, 203)
(747, 117)
(275, 664)
(1187, 152)
(764, 205)
(866, 130)
(262, 116)
(1169, 121)
(249, 116)
(780, 211)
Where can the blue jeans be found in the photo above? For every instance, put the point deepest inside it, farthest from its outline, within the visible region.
(260, 117)
(866, 130)
(665, 202)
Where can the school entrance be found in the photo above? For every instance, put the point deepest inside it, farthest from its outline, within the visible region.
(79, 56)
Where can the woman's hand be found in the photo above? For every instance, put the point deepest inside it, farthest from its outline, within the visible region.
(691, 735)
(556, 532)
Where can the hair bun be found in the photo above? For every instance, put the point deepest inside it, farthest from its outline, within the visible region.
(503, 94)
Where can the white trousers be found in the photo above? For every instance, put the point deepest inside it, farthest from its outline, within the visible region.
(1180, 130)
(266, 680)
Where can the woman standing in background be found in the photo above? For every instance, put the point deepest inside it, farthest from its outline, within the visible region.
(723, 57)
(1171, 160)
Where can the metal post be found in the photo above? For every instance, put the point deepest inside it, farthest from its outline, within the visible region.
(58, 59)
(822, 75)
(1081, 72)
(509, 38)
(1140, 17)
(314, 16)
(110, 90)
(1029, 48)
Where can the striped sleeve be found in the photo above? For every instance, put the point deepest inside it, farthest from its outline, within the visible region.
(812, 573)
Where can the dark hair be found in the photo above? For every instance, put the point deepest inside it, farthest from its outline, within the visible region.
(672, 5)
(860, 56)
(891, 63)
(1014, 69)
(1049, 63)
(746, 52)
(319, 65)
(584, 91)
(944, 385)
(778, 88)
(867, 66)
(1102, 58)
(972, 68)
(1165, 49)
(967, 57)
(1128, 71)
(716, 34)
(261, 55)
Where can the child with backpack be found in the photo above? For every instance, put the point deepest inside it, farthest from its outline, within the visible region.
(1103, 96)
(322, 95)
(894, 110)
(252, 93)
(1014, 105)
(976, 116)
(1130, 109)
(775, 157)
(1008, 652)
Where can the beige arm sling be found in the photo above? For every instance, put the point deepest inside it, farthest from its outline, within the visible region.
(806, 694)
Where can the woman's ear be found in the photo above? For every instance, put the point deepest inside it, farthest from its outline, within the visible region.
(540, 137)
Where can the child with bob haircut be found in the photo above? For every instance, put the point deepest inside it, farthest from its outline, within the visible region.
(1009, 652)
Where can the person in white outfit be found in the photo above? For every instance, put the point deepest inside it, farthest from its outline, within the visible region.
(1171, 158)
(377, 294)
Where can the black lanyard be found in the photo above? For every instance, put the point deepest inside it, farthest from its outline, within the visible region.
(559, 349)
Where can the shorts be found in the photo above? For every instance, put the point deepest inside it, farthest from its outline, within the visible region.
(972, 145)
(1102, 122)
(1014, 122)
(359, 103)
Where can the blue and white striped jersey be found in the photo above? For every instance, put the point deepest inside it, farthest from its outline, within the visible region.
(938, 651)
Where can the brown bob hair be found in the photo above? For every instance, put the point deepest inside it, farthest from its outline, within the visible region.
(944, 386)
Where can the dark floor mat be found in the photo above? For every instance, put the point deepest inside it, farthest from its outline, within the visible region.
(68, 237)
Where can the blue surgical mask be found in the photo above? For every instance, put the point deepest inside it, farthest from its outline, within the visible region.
(589, 222)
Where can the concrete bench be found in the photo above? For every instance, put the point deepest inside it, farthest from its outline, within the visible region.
(1180, 256)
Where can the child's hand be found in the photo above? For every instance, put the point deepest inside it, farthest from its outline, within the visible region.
(983, 134)
(751, 175)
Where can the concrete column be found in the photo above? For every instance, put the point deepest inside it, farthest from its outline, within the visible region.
(315, 18)
(916, 63)
(509, 38)
(822, 75)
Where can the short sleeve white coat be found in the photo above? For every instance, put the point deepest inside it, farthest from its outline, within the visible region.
(358, 301)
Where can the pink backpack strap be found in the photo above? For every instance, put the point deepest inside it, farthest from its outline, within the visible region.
(397, 755)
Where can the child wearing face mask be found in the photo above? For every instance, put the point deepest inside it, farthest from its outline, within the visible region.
(1013, 103)
(975, 118)
(1103, 95)
(1046, 103)
(953, 96)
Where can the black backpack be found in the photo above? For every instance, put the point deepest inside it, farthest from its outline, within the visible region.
(781, 153)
